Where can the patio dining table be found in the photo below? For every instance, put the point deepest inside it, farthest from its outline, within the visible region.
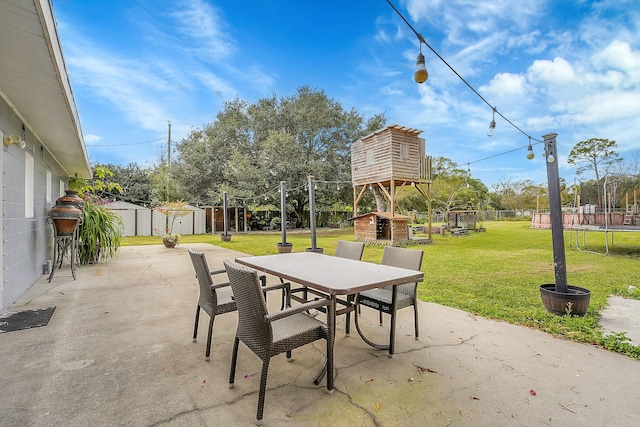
(333, 276)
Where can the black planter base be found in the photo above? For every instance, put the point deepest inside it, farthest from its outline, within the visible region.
(574, 302)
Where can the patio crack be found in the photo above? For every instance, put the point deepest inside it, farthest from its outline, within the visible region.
(237, 398)
(362, 408)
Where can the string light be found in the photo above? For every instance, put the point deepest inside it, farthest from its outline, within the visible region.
(530, 154)
(494, 109)
(421, 75)
(492, 125)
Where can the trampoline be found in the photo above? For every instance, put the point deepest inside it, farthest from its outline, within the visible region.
(584, 229)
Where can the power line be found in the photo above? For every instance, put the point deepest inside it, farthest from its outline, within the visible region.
(128, 143)
(494, 109)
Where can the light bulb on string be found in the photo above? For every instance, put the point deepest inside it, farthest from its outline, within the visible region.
(421, 75)
(492, 125)
(530, 154)
(550, 158)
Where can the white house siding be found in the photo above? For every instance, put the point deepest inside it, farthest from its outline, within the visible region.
(27, 243)
(35, 99)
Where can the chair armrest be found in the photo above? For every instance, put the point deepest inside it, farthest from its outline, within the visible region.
(263, 278)
(285, 285)
(297, 309)
(220, 285)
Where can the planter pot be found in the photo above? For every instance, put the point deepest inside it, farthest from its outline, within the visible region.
(73, 197)
(65, 215)
(225, 237)
(285, 248)
(169, 243)
(574, 302)
(316, 250)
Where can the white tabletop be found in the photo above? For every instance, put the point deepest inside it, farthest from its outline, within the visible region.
(330, 274)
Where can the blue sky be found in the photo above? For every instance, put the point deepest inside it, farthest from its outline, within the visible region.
(566, 66)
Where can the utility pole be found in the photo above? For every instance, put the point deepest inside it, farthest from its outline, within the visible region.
(169, 161)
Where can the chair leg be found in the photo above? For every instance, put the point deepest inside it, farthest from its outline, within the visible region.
(234, 361)
(195, 328)
(415, 319)
(263, 389)
(380, 315)
(206, 356)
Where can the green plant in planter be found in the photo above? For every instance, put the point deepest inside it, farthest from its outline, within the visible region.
(100, 231)
(101, 228)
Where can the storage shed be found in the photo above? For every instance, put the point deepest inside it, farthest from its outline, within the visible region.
(381, 227)
(193, 223)
(136, 218)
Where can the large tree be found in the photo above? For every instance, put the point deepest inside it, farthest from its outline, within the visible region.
(135, 182)
(204, 156)
(250, 148)
(455, 188)
(595, 154)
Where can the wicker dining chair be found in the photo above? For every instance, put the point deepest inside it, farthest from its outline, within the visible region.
(214, 299)
(382, 299)
(269, 334)
(350, 250)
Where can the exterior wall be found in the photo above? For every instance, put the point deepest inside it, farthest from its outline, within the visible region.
(364, 229)
(137, 222)
(400, 229)
(27, 243)
(193, 223)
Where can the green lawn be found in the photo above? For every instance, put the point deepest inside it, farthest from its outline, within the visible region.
(496, 274)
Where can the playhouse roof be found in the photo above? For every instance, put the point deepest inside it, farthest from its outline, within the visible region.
(393, 127)
(387, 215)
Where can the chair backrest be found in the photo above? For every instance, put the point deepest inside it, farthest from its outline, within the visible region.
(253, 328)
(404, 258)
(208, 298)
(351, 250)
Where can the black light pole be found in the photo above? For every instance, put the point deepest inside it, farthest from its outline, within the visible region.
(224, 208)
(555, 207)
(283, 211)
(312, 216)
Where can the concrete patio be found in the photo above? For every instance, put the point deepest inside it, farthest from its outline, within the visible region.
(118, 351)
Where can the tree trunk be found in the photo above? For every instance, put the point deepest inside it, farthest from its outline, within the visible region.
(380, 199)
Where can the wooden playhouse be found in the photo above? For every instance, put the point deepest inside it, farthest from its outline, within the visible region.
(387, 161)
(381, 227)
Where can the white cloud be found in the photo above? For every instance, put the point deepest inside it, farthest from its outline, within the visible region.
(200, 23)
(90, 138)
(618, 55)
(552, 73)
(506, 85)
